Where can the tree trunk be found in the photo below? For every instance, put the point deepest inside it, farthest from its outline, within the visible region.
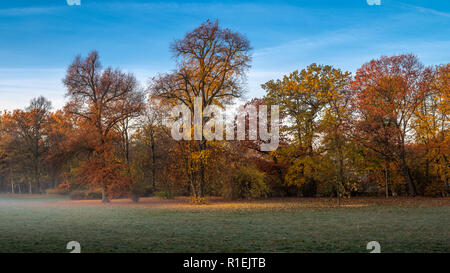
(127, 147)
(386, 180)
(30, 190)
(38, 185)
(36, 166)
(338, 192)
(105, 198)
(408, 177)
(341, 173)
(446, 186)
(427, 171)
(152, 139)
(188, 168)
(202, 170)
(338, 188)
(2, 181)
(12, 183)
(193, 190)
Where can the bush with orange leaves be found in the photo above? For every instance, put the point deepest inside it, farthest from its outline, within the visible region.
(111, 177)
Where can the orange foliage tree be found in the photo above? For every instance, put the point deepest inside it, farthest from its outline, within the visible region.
(389, 91)
(98, 97)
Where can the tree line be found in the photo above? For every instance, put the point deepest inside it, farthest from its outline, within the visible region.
(382, 131)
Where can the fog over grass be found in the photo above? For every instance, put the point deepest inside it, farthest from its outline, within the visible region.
(47, 224)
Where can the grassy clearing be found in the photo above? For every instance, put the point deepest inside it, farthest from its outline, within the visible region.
(46, 224)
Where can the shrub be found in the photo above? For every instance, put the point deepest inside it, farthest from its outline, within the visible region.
(148, 191)
(134, 197)
(78, 195)
(435, 189)
(60, 189)
(139, 190)
(199, 200)
(246, 183)
(165, 194)
(56, 191)
(92, 194)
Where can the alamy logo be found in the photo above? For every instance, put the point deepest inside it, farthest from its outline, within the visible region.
(210, 124)
(374, 2)
(73, 2)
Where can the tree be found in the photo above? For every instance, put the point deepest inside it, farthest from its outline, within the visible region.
(150, 148)
(268, 162)
(302, 97)
(431, 130)
(62, 136)
(211, 64)
(389, 91)
(335, 126)
(98, 97)
(25, 144)
(38, 111)
(153, 118)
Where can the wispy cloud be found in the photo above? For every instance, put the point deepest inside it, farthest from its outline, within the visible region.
(27, 11)
(324, 39)
(426, 10)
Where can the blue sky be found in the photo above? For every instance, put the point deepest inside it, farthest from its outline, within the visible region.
(39, 39)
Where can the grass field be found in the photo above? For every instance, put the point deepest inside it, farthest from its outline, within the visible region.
(46, 224)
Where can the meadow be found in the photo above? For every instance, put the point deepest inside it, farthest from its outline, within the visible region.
(290, 225)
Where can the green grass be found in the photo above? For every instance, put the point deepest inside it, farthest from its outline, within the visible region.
(34, 225)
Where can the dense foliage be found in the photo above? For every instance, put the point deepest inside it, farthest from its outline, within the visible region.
(383, 131)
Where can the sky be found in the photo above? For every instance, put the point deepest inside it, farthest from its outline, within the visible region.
(39, 39)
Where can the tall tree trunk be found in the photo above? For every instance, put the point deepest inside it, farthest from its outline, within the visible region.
(341, 171)
(338, 191)
(406, 171)
(407, 174)
(38, 185)
(193, 189)
(152, 140)
(386, 179)
(202, 170)
(2, 183)
(427, 171)
(12, 181)
(280, 173)
(105, 198)
(36, 174)
(336, 171)
(446, 186)
(339, 176)
(36, 166)
(127, 142)
(188, 170)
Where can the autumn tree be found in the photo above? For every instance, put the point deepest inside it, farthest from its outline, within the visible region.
(431, 131)
(211, 64)
(150, 149)
(442, 161)
(98, 96)
(62, 138)
(38, 112)
(27, 132)
(250, 150)
(302, 97)
(389, 92)
(335, 127)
